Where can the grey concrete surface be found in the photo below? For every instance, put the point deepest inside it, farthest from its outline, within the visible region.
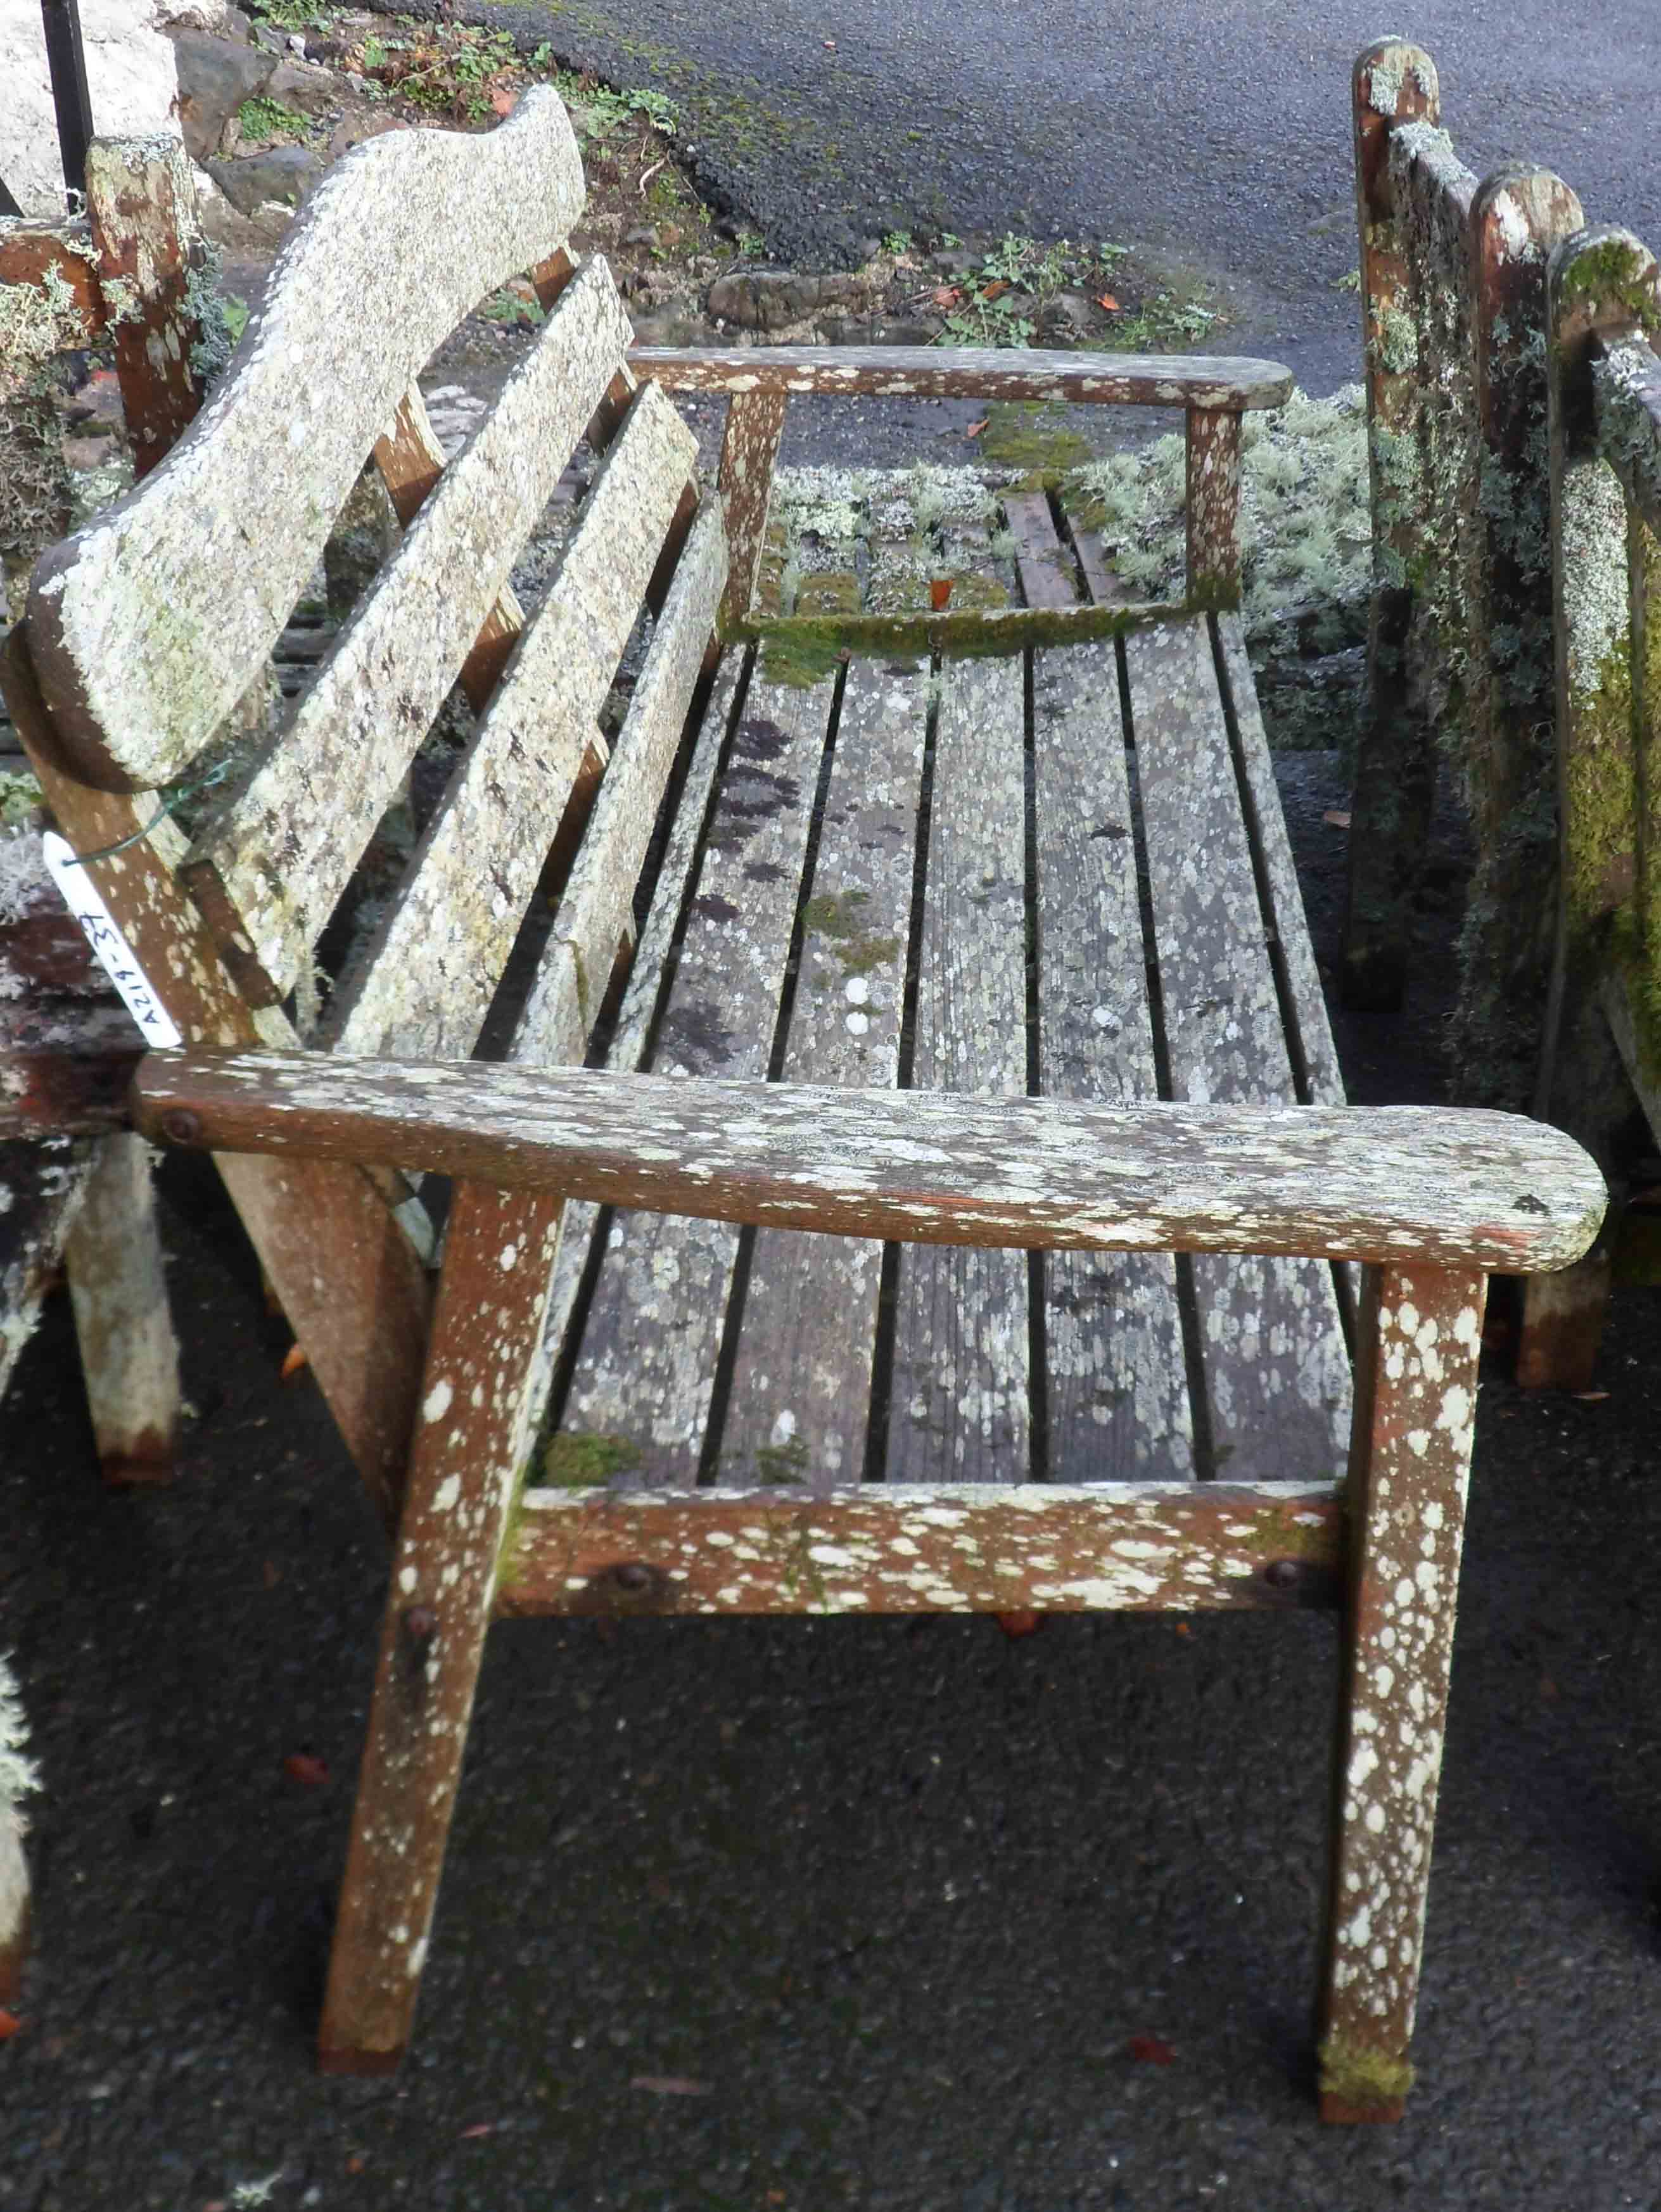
(1216, 131)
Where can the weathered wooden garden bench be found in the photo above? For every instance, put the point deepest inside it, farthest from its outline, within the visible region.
(975, 945)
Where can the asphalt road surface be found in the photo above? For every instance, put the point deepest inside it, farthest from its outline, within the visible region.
(1216, 131)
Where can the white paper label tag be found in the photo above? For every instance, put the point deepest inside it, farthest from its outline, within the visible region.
(110, 948)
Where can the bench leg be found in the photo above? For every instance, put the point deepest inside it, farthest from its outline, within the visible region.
(129, 1355)
(471, 1438)
(1562, 1325)
(1415, 1403)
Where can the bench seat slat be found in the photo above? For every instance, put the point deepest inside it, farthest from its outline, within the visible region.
(283, 846)
(1464, 1189)
(652, 1333)
(429, 975)
(802, 1384)
(1277, 1367)
(961, 1405)
(1116, 1375)
(142, 648)
(596, 906)
(1323, 1080)
(626, 1051)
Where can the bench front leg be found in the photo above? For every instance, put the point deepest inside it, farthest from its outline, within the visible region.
(473, 1433)
(1415, 1404)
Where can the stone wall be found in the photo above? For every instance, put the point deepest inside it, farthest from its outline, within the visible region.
(130, 78)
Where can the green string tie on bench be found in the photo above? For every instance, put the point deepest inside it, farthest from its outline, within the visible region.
(173, 797)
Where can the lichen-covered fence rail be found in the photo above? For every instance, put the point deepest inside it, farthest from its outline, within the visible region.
(1459, 647)
(1605, 327)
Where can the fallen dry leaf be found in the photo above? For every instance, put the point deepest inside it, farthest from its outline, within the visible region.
(300, 1766)
(939, 593)
(1337, 817)
(1151, 2051)
(1023, 1623)
(946, 296)
(1108, 301)
(294, 1359)
(503, 101)
(672, 2085)
(975, 428)
(995, 291)
(9, 2024)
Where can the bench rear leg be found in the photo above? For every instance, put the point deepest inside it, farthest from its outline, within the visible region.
(129, 1355)
(471, 1437)
(1415, 1402)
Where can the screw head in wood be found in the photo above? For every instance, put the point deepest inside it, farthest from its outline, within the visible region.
(632, 1575)
(180, 1126)
(420, 1623)
(1282, 1574)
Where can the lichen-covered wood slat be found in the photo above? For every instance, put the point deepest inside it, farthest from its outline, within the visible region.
(961, 1404)
(140, 650)
(801, 1381)
(1276, 1366)
(427, 978)
(283, 845)
(1118, 1399)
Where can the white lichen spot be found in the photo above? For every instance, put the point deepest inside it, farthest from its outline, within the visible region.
(438, 1400)
(444, 1496)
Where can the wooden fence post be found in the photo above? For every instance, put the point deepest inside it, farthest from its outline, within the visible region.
(1518, 215)
(1394, 779)
(1603, 285)
(152, 264)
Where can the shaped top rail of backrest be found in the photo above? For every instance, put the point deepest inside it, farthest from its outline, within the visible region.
(147, 626)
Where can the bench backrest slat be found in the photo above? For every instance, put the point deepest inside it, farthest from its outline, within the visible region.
(595, 909)
(284, 846)
(148, 626)
(430, 977)
(411, 462)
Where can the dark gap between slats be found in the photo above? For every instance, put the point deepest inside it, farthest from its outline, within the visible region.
(726, 1361)
(888, 1288)
(565, 1366)
(1038, 1263)
(1284, 992)
(1188, 1303)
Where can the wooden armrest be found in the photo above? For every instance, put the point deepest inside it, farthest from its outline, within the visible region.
(1450, 1188)
(984, 373)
